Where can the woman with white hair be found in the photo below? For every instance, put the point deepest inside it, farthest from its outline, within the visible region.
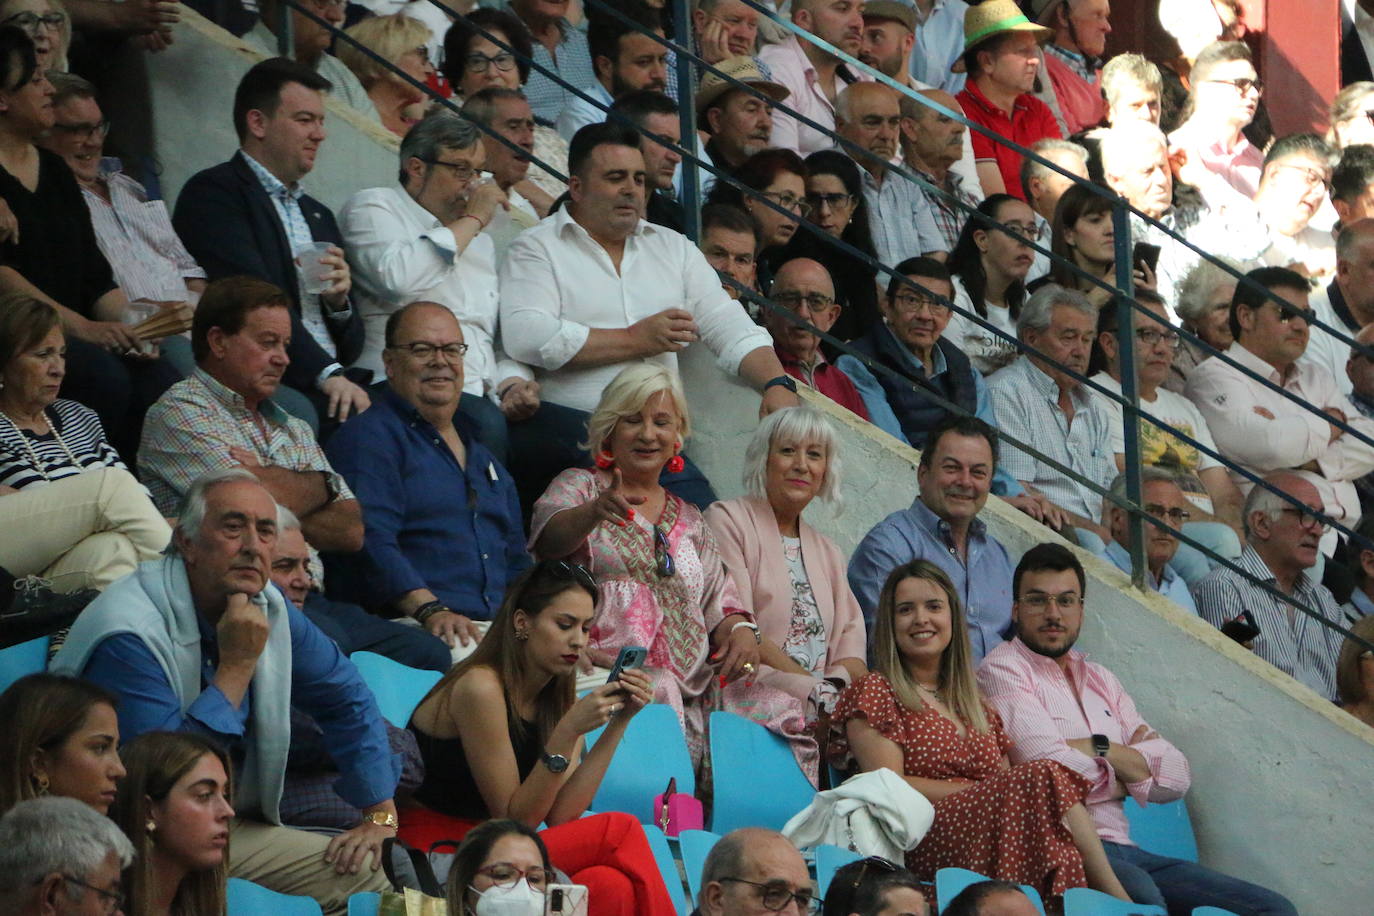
(792, 575)
(664, 585)
(1203, 307)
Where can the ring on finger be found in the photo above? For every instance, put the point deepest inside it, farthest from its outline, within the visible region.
(748, 666)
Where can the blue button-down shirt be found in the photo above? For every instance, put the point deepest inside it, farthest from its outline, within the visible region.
(939, 43)
(983, 585)
(574, 65)
(324, 685)
(429, 522)
(1170, 584)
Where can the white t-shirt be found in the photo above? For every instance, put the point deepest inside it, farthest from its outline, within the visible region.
(987, 351)
(1161, 449)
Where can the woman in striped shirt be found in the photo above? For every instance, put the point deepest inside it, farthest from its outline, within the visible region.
(70, 511)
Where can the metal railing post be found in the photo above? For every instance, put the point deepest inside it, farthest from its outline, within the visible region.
(1130, 412)
(686, 98)
(286, 41)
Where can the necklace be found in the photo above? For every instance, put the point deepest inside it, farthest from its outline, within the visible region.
(32, 454)
(933, 691)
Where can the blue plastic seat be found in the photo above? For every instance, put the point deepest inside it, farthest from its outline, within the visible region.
(1211, 911)
(740, 751)
(1165, 830)
(695, 844)
(830, 859)
(1082, 901)
(398, 688)
(950, 882)
(651, 752)
(667, 867)
(249, 899)
(26, 658)
(364, 903)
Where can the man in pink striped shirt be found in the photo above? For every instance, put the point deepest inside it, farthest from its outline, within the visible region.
(1056, 704)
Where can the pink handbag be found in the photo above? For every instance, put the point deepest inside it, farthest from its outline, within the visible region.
(675, 812)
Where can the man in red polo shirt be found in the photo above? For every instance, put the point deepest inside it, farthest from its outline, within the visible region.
(1002, 55)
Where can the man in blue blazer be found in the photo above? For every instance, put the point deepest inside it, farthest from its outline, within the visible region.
(250, 216)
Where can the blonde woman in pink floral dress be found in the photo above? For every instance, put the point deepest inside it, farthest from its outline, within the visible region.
(663, 583)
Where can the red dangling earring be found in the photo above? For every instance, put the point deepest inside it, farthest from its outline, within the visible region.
(605, 461)
(676, 463)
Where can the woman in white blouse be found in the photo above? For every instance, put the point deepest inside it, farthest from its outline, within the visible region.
(69, 509)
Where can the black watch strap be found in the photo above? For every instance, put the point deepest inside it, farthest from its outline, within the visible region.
(785, 381)
(1101, 745)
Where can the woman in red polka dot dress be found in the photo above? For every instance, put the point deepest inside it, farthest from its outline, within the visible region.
(919, 714)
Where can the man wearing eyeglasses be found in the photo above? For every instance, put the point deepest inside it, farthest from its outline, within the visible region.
(1292, 189)
(755, 872)
(310, 44)
(60, 857)
(1162, 499)
(1056, 705)
(900, 217)
(1260, 429)
(443, 534)
(1214, 514)
(1226, 93)
(427, 239)
(803, 288)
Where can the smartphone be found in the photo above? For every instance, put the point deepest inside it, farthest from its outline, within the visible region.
(1145, 253)
(565, 900)
(1242, 629)
(629, 659)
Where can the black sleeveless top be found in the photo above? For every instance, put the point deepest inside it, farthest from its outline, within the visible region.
(449, 787)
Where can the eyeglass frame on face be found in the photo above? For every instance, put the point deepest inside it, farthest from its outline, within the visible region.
(832, 202)
(457, 168)
(793, 300)
(1307, 518)
(1314, 177)
(1152, 336)
(54, 20)
(808, 904)
(114, 900)
(485, 871)
(1038, 603)
(87, 131)
(799, 205)
(910, 303)
(1242, 84)
(452, 352)
(1176, 514)
(477, 62)
(1286, 312)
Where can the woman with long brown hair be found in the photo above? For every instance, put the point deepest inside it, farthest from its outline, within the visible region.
(174, 806)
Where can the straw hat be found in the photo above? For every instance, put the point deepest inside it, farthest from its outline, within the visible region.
(995, 17)
(743, 69)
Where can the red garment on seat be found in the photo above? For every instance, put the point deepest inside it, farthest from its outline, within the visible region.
(1080, 101)
(606, 852)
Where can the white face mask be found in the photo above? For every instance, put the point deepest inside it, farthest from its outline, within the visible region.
(518, 899)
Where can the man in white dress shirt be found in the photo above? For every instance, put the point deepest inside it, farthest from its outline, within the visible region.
(595, 288)
(424, 240)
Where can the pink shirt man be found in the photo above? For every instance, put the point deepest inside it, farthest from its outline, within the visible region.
(790, 67)
(1041, 711)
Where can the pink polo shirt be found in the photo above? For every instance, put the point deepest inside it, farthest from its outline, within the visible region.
(1041, 710)
(1030, 120)
(791, 67)
(1239, 167)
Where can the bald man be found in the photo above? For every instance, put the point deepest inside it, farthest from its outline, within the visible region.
(1281, 547)
(749, 871)
(934, 146)
(803, 288)
(1346, 303)
(869, 116)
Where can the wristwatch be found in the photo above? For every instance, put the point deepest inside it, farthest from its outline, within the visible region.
(428, 610)
(382, 819)
(1101, 745)
(556, 763)
(785, 381)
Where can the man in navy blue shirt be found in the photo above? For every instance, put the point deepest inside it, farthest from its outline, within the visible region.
(442, 519)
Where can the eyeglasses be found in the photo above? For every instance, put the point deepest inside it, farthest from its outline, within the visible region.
(452, 352)
(86, 131)
(793, 301)
(1313, 178)
(912, 303)
(575, 572)
(1288, 312)
(463, 171)
(1242, 84)
(1176, 514)
(477, 62)
(1306, 519)
(30, 22)
(663, 558)
(831, 202)
(788, 201)
(1024, 230)
(875, 862)
(113, 900)
(1151, 336)
(504, 874)
(777, 896)
(1039, 603)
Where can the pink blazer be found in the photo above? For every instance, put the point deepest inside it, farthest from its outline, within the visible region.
(751, 545)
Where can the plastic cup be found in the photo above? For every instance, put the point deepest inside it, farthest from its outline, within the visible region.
(312, 272)
(135, 313)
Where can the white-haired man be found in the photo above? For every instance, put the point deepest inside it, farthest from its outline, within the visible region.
(61, 857)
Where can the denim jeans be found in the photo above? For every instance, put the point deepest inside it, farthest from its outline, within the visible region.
(1180, 885)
